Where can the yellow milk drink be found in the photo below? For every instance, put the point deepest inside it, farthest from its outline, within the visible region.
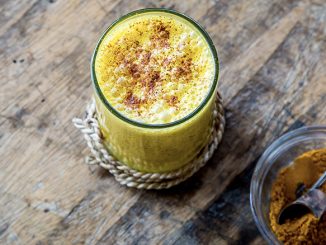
(155, 74)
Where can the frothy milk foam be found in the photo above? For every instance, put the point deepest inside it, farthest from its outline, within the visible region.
(154, 68)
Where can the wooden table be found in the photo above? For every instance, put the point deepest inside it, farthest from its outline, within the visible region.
(273, 79)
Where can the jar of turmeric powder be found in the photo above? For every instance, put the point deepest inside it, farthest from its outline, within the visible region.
(278, 156)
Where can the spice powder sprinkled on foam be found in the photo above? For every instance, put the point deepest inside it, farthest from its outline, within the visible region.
(154, 69)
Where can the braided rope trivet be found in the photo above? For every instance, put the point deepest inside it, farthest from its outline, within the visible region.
(133, 178)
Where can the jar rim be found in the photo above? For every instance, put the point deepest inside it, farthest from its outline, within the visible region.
(161, 125)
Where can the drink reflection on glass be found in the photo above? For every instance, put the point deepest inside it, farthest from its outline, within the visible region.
(155, 73)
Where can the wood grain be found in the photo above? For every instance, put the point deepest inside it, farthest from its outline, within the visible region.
(273, 79)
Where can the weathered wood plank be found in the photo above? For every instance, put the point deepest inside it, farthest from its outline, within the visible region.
(227, 220)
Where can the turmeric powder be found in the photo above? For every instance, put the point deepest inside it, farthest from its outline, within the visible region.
(304, 171)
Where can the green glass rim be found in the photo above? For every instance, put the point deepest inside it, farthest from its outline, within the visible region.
(163, 125)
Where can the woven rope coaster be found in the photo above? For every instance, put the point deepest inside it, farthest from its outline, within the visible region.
(132, 178)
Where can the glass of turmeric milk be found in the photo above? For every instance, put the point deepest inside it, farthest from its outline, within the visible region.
(154, 73)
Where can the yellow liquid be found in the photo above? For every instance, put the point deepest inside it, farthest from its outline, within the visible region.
(154, 68)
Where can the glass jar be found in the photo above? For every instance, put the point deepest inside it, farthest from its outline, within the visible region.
(277, 156)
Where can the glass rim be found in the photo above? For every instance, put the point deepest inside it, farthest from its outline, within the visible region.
(162, 125)
(261, 171)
